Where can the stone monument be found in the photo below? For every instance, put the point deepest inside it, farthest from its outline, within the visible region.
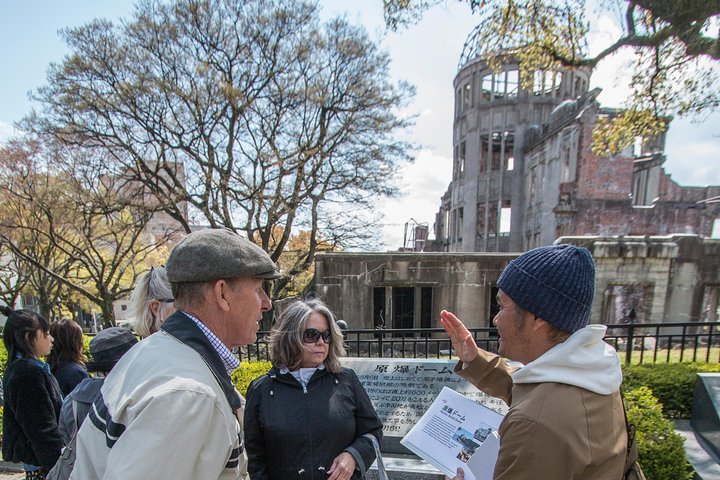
(401, 390)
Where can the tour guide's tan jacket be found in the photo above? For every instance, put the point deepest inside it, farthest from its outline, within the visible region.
(566, 417)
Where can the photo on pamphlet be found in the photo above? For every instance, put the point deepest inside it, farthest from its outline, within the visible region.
(470, 441)
(467, 443)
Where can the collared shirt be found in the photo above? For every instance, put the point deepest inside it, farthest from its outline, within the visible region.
(302, 375)
(230, 361)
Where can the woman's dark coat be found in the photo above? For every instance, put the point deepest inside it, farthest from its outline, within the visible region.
(30, 416)
(69, 376)
(296, 433)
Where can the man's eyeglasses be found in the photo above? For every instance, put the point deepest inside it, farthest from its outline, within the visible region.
(312, 335)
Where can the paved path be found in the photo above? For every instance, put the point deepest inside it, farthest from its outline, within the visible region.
(10, 470)
(700, 455)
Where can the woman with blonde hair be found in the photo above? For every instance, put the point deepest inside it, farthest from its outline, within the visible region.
(152, 301)
(309, 415)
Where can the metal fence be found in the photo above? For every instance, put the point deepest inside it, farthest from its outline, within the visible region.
(635, 342)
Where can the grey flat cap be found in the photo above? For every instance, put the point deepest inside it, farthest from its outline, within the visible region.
(211, 254)
(108, 346)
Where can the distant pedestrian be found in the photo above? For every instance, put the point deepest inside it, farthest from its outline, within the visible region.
(309, 417)
(67, 358)
(151, 301)
(106, 348)
(168, 409)
(32, 395)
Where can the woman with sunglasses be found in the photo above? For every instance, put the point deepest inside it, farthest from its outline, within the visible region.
(152, 301)
(308, 417)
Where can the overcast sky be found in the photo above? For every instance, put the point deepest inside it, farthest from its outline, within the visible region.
(425, 55)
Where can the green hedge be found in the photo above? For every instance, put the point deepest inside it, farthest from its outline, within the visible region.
(247, 372)
(662, 455)
(3, 358)
(673, 384)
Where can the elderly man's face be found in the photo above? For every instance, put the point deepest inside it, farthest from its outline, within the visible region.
(247, 301)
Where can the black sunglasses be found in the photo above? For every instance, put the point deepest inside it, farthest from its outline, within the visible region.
(312, 335)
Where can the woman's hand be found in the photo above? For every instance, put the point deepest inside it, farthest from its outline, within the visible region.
(462, 340)
(342, 467)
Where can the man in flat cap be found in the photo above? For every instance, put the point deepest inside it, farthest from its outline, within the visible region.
(168, 410)
(566, 418)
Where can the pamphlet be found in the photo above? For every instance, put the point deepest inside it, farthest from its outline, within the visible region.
(457, 432)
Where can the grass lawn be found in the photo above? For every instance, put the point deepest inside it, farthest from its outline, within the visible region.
(673, 355)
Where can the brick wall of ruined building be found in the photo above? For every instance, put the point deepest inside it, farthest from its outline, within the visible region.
(573, 191)
(601, 177)
(601, 217)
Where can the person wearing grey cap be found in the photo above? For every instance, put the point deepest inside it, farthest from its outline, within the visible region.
(566, 418)
(169, 410)
(106, 349)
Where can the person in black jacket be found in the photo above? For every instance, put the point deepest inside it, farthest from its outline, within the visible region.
(307, 418)
(32, 395)
(66, 359)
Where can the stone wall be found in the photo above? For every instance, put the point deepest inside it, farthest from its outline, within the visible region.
(459, 282)
(662, 278)
(672, 278)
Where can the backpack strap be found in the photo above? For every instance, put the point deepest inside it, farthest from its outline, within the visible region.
(77, 420)
(631, 450)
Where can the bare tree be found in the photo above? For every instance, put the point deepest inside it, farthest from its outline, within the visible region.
(13, 277)
(22, 187)
(73, 228)
(277, 119)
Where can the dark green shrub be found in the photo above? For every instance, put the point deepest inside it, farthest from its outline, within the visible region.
(662, 455)
(673, 384)
(247, 372)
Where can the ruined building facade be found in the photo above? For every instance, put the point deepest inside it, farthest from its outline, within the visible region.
(673, 278)
(524, 172)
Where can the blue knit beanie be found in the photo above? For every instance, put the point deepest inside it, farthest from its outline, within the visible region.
(556, 283)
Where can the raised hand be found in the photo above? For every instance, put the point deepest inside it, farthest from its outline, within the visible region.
(461, 338)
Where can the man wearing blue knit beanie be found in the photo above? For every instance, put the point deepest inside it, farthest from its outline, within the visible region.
(566, 419)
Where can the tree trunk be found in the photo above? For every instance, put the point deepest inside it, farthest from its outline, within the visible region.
(108, 312)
